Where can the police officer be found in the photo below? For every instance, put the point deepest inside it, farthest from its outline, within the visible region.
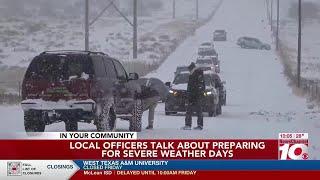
(195, 94)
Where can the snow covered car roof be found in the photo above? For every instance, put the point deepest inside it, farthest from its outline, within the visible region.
(209, 72)
(206, 44)
(220, 31)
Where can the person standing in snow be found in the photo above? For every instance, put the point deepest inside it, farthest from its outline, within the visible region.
(195, 94)
(153, 90)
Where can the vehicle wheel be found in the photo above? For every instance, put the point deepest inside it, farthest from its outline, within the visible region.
(33, 122)
(106, 120)
(214, 111)
(168, 113)
(219, 109)
(71, 126)
(135, 121)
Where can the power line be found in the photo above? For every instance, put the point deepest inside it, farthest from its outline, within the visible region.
(101, 13)
(121, 14)
(134, 24)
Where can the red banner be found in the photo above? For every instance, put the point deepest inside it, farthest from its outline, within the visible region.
(206, 174)
(138, 149)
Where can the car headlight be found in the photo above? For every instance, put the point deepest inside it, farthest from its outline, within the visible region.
(208, 93)
(175, 93)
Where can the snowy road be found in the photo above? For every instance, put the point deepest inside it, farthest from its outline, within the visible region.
(260, 103)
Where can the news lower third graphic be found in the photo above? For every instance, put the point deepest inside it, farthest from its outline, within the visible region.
(293, 146)
(66, 169)
(73, 154)
(37, 168)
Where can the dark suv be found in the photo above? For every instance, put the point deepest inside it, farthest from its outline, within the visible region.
(79, 86)
(177, 97)
(220, 35)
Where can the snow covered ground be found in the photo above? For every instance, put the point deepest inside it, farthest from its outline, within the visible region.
(259, 102)
(310, 65)
(25, 37)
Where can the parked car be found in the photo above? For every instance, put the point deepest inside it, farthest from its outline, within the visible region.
(79, 86)
(221, 87)
(164, 38)
(252, 43)
(177, 98)
(208, 61)
(219, 35)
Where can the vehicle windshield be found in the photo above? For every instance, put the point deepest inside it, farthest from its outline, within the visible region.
(205, 68)
(184, 78)
(58, 67)
(204, 61)
(207, 52)
(253, 39)
(258, 41)
(182, 68)
(206, 44)
(219, 31)
(181, 78)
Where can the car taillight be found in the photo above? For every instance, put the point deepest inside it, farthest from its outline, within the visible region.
(31, 89)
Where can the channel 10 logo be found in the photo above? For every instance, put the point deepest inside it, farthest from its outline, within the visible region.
(293, 146)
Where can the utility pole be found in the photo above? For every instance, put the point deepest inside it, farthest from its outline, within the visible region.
(268, 10)
(86, 19)
(135, 38)
(299, 46)
(174, 9)
(271, 16)
(277, 35)
(197, 9)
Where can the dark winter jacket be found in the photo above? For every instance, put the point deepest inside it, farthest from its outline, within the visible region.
(152, 87)
(196, 85)
(217, 81)
(148, 92)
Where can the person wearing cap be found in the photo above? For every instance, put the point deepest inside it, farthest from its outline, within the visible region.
(153, 90)
(195, 94)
